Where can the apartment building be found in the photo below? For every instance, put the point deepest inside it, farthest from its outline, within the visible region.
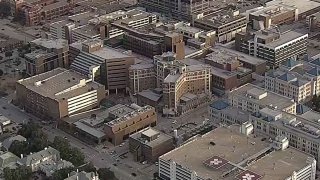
(127, 120)
(148, 144)
(295, 79)
(225, 153)
(46, 55)
(252, 98)
(141, 77)
(302, 133)
(225, 24)
(184, 84)
(272, 45)
(288, 82)
(231, 68)
(105, 64)
(277, 14)
(58, 93)
(177, 9)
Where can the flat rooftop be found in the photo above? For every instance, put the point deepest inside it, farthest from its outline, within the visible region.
(59, 84)
(221, 18)
(161, 137)
(150, 95)
(87, 30)
(311, 116)
(222, 73)
(110, 53)
(51, 43)
(56, 5)
(90, 130)
(142, 66)
(285, 37)
(223, 55)
(233, 149)
(274, 99)
(273, 10)
(122, 113)
(303, 6)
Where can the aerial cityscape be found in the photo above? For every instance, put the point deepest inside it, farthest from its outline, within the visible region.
(159, 89)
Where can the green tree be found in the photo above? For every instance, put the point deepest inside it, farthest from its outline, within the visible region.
(28, 130)
(20, 173)
(74, 155)
(61, 174)
(36, 140)
(106, 174)
(4, 9)
(19, 148)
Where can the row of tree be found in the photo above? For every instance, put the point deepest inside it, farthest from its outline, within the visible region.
(37, 140)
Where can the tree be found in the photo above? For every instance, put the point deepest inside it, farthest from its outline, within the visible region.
(4, 9)
(27, 130)
(19, 148)
(74, 155)
(20, 173)
(106, 174)
(62, 173)
(1, 72)
(36, 140)
(8, 54)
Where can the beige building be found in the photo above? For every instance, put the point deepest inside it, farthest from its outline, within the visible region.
(141, 77)
(46, 55)
(126, 120)
(58, 93)
(252, 98)
(194, 79)
(299, 80)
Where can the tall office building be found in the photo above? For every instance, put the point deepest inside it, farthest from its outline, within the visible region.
(47, 54)
(183, 9)
(272, 45)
